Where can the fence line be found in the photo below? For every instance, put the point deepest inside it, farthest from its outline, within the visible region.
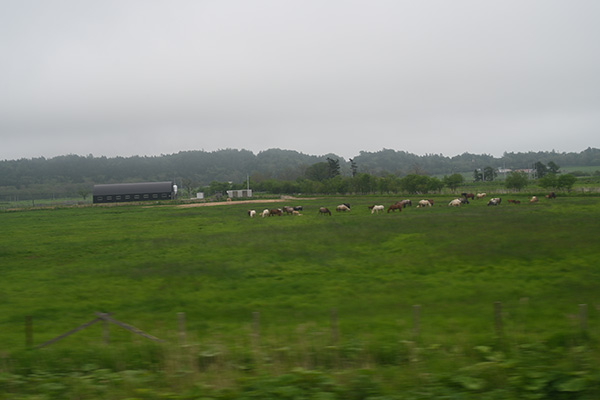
(104, 317)
(255, 335)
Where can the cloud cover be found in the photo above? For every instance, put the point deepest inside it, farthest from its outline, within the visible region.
(151, 77)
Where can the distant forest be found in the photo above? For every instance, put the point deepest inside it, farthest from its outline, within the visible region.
(72, 174)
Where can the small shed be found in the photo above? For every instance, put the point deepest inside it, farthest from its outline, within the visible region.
(123, 192)
(239, 193)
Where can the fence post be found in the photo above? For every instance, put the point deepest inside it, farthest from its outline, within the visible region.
(583, 317)
(334, 327)
(256, 330)
(181, 327)
(498, 319)
(29, 331)
(416, 321)
(105, 331)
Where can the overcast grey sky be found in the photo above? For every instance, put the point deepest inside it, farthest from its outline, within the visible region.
(148, 77)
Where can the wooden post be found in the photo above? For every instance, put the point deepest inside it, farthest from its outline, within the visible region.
(583, 317)
(334, 327)
(106, 332)
(181, 326)
(256, 329)
(498, 319)
(29, 331)
(416, 321)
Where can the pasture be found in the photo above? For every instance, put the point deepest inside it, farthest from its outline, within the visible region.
(144, 264)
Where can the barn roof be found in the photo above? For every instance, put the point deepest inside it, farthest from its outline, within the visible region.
(133, 188)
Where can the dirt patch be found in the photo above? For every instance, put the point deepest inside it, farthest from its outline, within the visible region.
(226, 203)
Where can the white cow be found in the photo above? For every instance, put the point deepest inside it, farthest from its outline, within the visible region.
(251, 213)
(265, 213)
(455, 203)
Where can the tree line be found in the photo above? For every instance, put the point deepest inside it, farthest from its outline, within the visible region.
(279, 171)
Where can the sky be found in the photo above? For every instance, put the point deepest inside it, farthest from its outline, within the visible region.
(148, 77)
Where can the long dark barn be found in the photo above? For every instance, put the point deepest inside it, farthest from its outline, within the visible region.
(146, 191)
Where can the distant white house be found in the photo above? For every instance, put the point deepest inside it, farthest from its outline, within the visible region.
(200, 195)
(239, 193)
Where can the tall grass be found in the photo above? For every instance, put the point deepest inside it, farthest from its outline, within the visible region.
(146, 264)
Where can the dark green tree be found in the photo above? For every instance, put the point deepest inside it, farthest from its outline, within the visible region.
(84, 193)
(188, 185)
(364, 183)
(553, 167)
(540, 169)
(414, 183)
(218, 188)
(453, 181)
(353, 167)
(334, 167)
(477, 175)
(318, 172)
(566, 181)
(548, 181)
(434, 185)
(388, 183)
(489, 174)
(516, 180)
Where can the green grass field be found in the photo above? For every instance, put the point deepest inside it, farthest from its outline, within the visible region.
(145, 264)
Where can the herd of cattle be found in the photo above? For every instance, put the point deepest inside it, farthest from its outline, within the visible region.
(399, 205)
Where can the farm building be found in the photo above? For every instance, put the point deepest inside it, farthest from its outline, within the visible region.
(239, 193)
(145, 191)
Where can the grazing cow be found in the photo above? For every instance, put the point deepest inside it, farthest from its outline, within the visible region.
(514, 201)
(495, 201)
(424, 203)
(464, 200)
(324, 210)
(455, 203)
(298, 208)
(480, 196)
(251, 213)
(276, 211)
(534, 199)
(551, 195)
(394, 207)
(342, 207)
(265, 213)
(468, 196)
(296, 212)
(376, 209)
